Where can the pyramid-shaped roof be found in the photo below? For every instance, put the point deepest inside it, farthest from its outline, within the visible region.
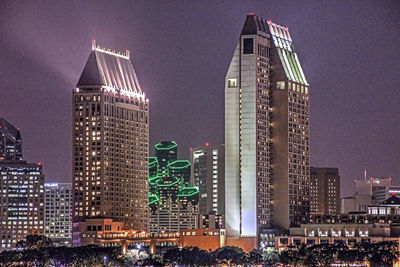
(110, 69)
(393, 200)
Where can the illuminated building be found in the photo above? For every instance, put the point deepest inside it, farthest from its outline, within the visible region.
(57, 214)
(166, 151)
(105, 232)
(168, 162)
(381, 223)
(10, 142)
(267, 131)
(21, 202)
(110, 141)
(208, 168)
(211, 221)
(324, 190)
(173, 203)
(390, 206)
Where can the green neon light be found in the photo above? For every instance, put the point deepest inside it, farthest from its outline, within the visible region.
(296, 70)
(153, 161)
(160, 146)
(179, 164)
(153, 199)
(188, 191)
(166, 185)
(153, 180)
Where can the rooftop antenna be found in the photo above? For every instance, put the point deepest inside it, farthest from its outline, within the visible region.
(93, 44)
(365, 174)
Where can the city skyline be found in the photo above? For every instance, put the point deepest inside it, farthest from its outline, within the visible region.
(352, 108)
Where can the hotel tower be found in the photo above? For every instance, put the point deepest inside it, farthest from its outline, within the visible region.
(267, 131)
(110, 142)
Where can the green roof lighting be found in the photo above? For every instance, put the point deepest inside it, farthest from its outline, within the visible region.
(179, 164)
(160, 146)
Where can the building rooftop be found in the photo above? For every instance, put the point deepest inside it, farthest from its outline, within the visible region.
(111, 70)
(393, 200)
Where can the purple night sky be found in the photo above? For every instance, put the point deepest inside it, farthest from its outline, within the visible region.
(349, 51)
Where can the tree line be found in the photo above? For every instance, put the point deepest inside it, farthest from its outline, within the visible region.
(40, 251)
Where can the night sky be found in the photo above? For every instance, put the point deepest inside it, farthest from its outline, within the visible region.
(181, 50)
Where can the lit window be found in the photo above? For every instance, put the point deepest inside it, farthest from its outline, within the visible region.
(232, 83)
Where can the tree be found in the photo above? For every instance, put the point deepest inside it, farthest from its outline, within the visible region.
(172, 257)
(255, 257)
(230, 255)
(134, 257)
(294, 255)
(321, 254)
(270, 257)
(35, 242)
(383, 253)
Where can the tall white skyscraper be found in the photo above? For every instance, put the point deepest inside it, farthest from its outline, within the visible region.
(267, 172)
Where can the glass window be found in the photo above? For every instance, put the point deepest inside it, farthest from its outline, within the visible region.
(247, 46)
(232, 83)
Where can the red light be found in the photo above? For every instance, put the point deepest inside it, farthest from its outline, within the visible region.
(287, 28)
(39, 164)
(390, 178)
(94, 40)
(18, 129)
(251, 14)
(393, 194)
(371, 178)
(355, 180)
(190, 149)
(269, 21)
(207, 144)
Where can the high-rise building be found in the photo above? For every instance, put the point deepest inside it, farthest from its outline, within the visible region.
(208, 174)
(324, 190)
(21, 190)
(166, 151)
(173, 202)
(110, 142)
(10, 142)
(21, 202)
(58, 213)
(267, 111)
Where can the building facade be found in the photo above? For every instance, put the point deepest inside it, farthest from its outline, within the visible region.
(110, 141)
(267, 175)
(21, 202)
(208, 174)
(58, 213)
(367, 192)
(173, 203)
(324, 190)
(10, 142)
(383, 193)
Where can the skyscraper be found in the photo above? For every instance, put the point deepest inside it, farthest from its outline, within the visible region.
(21, 202)
(21, 190)
(208, 168)
(10, 142)
(110, 141)
(267, 114)
(57, 214)
(324, 190)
